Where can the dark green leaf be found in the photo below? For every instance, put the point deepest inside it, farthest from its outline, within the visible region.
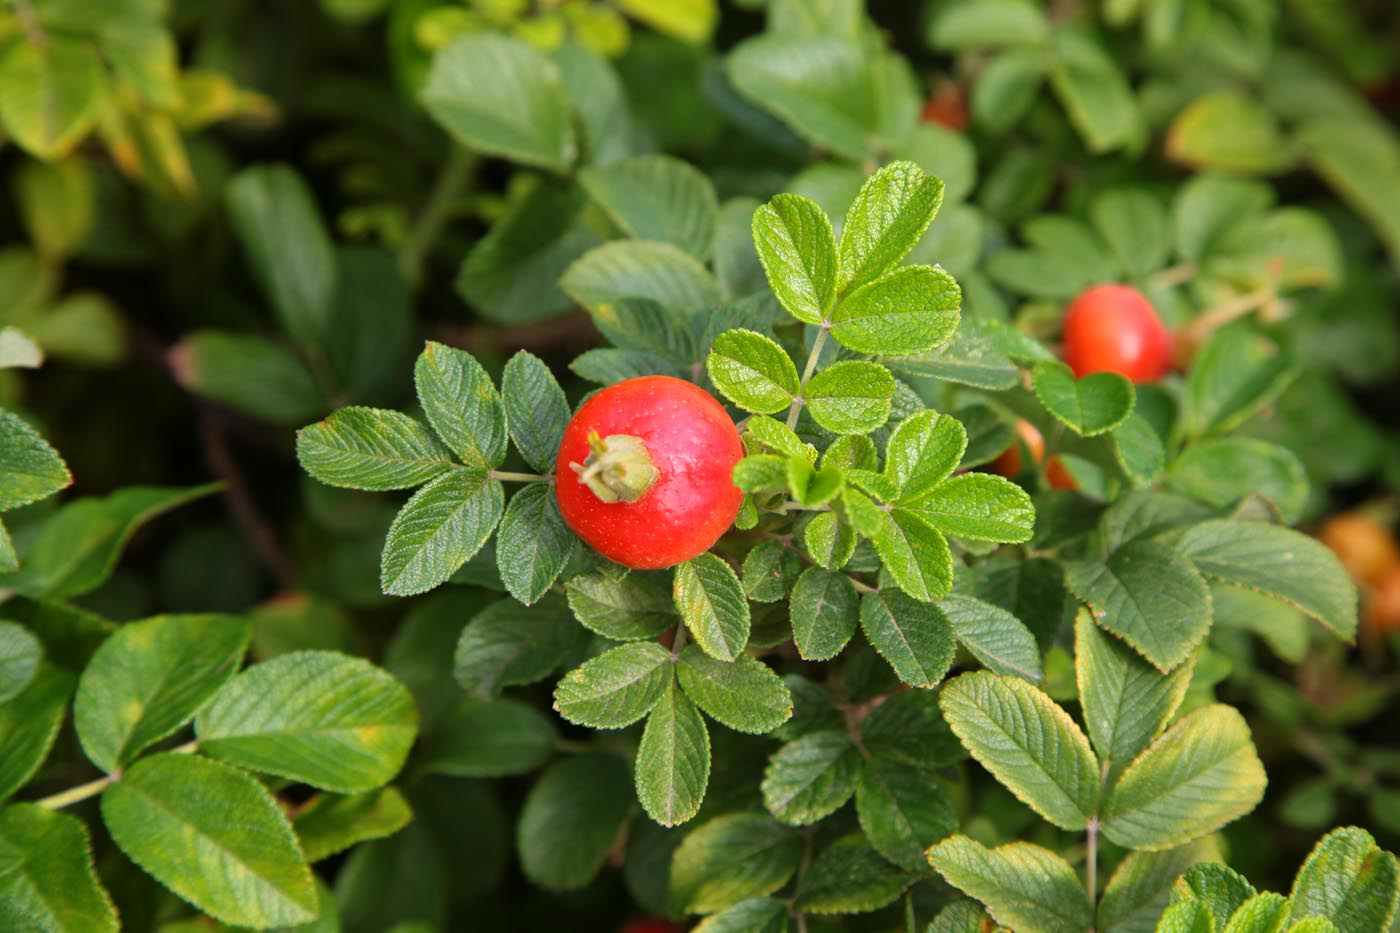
(617, 688)
(371, 448)
(811, 778)
(536, 409)
(744, 694)
(49, 882)
(823, 611)
(673, 760)
(534, 544)
(570, 819)
(439, 529)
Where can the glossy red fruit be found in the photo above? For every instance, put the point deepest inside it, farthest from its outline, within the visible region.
(1113, 328)
(644, 472)
(1009, 462)
(650, 925)
(947, 107)
(1058, 475)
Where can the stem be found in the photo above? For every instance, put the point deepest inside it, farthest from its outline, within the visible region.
(1091, 882)
(1197, 331)
(437, 210)
(807, 375)
(93, 788)
(1173, 275)
(678, 642)
(239, 498)
(510, 477)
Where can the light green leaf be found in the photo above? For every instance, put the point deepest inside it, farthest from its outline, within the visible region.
(508, 644)
(829, 541)
(291, 254)
(756, 915)
(9, 560)
(641, 269)
(20, 654)
(908, 311)
(499, 96)
(657, 197)
(49, 882)
(1198, 776)
(823, 611)
(1094, 92)
(492, 739)
(33, 469)
(1220, 471)
(149, 678)
(924, 450)
(252, 374)
(1022, 885)
(977, 506)
(1093, 405)
(731, 859)
(752, 371)
(1225, 130)
(534, 544)
(1028, 743)
(1125, 700)
(1235, 375)
(1358, 158)
(1222, 889)
(811, 778)
(51, 93)
(1187, 917)
(850, 397)
(914, 637)
(571, 818)
(902, 811)
(28, 725)
(631, 608)
(536, 409)
(1208, 206)
(215, 837)
(616, 688)
(1007, 88)
(330, 823)
(889, 215)
(371, 448)
(462, 405)
(1135, 226)
(988, 23)
(914, 552)
(1285, 564)
(1262, 913)
(439, 529)
(1350, 880)
(18, 350)
(318, 717)
(850, 877)
(1148, 595)
(1138, 890)
(711, 602)
(687, 20)
(673, 760)
(744, 694)
(796, 245)
(994, 636)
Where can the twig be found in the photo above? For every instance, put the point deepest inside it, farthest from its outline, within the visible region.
(243, 509)
(437, 211)
(806, 375)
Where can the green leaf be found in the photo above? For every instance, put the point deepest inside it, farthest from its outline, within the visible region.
(51, 93)
(1198, 776)
(657, 197)
(1028, 743)
(1187, 917)
(508, 644)
(371, 448)
(756, 915)
(823, 611)
(811, 778)
(462, 405)
(731, 859)
(330, 823)
(534, 544)
(962, 916)
(1125, 700)
(909, 727)
(1093, 405)
(1282, 563)
(49, 882)
(571, 818)
(1135, 226)
(923, 450)
(149, 678)
(1223, 890)
(18, 350)
(214, 836)
(1220, 471)
(256, 375)
(1208, 206)
(850, 397)
(889, 215)
(20, 654)
(994, 636)
(1350, 880)
(829, 541)
(617, 688)
(1358, 158)
(1137, 892)
(317, 717)
(673, 760)
(536, 409)
(1148, 595)
(743, 694)
(686, 20)
(902, 811)
(1094, 92)
(908, 311)
(492, 739)
(9, 560)
(1007, 88)
(499, 96)
(28, 725)
(439, 529)
(1138, 451)
(629, 608)
(914, 552)
(914, 637)
(1235, 375)
(1022, 885)
(275, 217)
(797, 248)
(813, 487)
(988, 23)
(33, 469)
(752, 371)
(850, 877)
(642, 269)
(1225, 130)
(711, 602)
(770, 570)
(1262, 912)
(977, 506)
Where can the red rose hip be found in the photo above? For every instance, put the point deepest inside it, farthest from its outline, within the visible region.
(645, 469)
(1113, 328)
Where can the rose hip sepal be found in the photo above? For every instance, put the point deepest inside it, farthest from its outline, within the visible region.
(644, 472)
